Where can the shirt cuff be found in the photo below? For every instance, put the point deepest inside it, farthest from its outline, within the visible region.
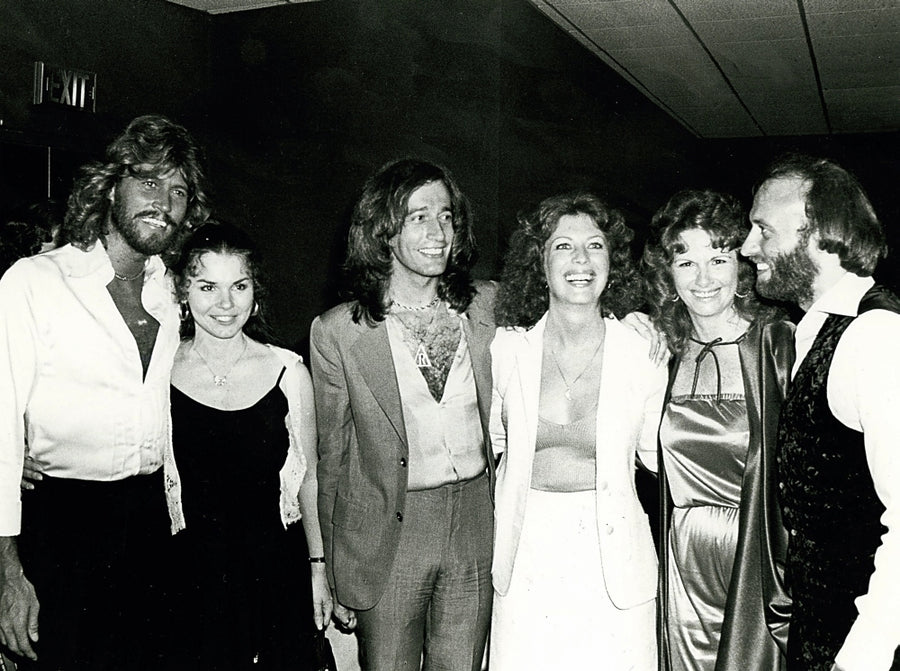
(868, 647)
(11, 518)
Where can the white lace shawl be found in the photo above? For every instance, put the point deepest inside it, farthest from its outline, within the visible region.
(291, 473)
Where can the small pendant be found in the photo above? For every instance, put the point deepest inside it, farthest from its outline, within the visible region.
(422, 360)
(568, 394)
(220, 380)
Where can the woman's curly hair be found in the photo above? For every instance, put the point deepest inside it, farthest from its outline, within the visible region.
(523, 296)
(723, 218)
(148, 140)
(379, 215)
(214, 237)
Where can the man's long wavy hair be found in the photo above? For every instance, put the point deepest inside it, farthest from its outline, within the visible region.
(523, 296)
(148, 140)
(723, 218)
(837, 208)
(214, 237)
(378, 216)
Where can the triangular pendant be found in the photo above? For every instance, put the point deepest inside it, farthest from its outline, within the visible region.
(422, 360)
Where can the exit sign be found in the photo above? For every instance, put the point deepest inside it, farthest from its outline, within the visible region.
(63, 86)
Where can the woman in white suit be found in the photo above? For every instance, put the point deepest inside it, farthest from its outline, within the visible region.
(576, 399)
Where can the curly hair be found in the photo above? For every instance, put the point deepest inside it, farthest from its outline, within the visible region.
(214, 237)
(378, 216)
(723, 218)
(523, 296)
(837, 208)
(148, 140)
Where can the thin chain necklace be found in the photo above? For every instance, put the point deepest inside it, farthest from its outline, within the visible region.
(418, 308)
(125, 278)
(221, 380)
(584, 370)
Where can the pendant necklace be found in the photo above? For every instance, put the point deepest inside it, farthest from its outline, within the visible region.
(418, 333)
(221, 380)
(584, 370)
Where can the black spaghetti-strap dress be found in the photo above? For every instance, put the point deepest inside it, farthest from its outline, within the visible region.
(245, 595)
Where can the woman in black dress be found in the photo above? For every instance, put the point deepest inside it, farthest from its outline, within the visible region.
(242, 471)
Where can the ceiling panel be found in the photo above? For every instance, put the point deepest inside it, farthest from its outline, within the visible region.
(787, 67)
(736, 68)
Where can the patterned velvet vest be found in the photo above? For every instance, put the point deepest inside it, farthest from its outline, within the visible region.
(829, 504)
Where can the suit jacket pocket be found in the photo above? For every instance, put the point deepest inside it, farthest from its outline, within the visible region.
(348, 514)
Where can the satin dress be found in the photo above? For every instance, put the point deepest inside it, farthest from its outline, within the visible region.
(704, 437)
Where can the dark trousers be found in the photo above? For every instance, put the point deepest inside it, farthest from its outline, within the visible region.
(436, 607)
(95, 553)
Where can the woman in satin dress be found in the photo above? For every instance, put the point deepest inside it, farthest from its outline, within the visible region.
(722, 605)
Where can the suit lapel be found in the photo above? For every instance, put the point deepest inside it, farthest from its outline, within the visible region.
(372, 351)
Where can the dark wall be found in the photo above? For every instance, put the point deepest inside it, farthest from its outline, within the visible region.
(148, 55)
(309, 99)
(297, 104)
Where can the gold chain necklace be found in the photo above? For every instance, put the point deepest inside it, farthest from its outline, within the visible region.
(577, 377)
(221, 380)
(125, 278)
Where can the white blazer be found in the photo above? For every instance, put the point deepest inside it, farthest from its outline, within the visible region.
(628, 413)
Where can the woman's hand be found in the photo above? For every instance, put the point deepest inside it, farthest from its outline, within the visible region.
(644, 326)
(322, 602)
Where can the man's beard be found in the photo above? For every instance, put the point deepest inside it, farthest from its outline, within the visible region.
(791, 277)
(156, 242)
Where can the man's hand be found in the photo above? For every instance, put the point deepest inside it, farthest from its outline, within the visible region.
(30, 474)
(18, 612)
(644, 326)
(346, 618)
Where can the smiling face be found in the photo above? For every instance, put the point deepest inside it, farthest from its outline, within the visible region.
(220, 295)
(422, 247)
(148, 208)
(705, 278)
(785, 269)
(576, 261)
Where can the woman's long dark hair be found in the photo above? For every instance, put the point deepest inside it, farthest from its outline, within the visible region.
(222, 238)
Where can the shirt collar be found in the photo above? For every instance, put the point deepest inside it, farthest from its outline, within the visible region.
(76, 262)
(843, 297)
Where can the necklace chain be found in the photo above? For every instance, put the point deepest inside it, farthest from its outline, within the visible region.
(125, 278)
(417, 308)
(577, 377)
(221, 380)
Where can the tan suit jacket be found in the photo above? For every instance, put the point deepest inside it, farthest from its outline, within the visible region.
(363, 448)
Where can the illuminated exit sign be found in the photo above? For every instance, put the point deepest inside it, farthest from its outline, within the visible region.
(62, 86)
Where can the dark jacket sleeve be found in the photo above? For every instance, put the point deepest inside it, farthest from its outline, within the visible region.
(754, 632)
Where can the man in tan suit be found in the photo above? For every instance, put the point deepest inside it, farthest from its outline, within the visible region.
(402, 380)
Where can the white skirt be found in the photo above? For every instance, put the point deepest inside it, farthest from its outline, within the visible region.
(557, 613)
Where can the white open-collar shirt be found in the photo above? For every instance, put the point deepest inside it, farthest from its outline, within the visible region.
(863, 391)
(72, 386)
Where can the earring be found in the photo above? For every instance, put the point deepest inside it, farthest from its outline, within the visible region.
(737, 295)
(185, 311)
(674, 298)
(255, 309)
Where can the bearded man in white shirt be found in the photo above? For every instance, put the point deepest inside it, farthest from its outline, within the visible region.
(816, 240)
(88, 333)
